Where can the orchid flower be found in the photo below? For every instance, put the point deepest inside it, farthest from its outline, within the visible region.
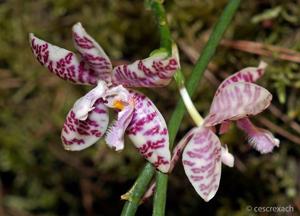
(236, 99)
(137, 116)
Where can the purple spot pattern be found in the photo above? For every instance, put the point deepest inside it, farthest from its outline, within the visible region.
(92, 53)
(148, 132)
(236, 101)
(78, 135)
(202, 162)
(249, 74)
(150, 72)
(63, 63)
(180, 146)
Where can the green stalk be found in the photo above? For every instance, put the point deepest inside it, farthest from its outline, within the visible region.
(134, 195)
(164, 31)
(140, 186)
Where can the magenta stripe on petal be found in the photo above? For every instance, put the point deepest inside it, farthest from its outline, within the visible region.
(156, 71)
(180, 147)
(65, 64)
(148, 132)
(77, 135)
(249, 74)
(92, 53)
(202, 162)
(237, 101)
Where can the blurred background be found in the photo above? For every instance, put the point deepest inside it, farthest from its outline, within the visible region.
(38, 177)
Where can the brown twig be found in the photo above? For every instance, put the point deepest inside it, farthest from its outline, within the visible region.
(285, 118)
(263, 49)
(193, 55)
(249, 47)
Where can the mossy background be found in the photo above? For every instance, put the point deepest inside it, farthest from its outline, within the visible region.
(38, 177)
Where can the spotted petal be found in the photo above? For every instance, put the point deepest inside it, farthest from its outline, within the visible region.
(249, 74)
(148, 132)
(92, 53)
(64, 63)
(80, 134)
(202, 162)
(180, 147)
(155, 71)
(237, 101)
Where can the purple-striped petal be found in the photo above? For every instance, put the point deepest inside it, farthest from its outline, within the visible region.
(115, 135)
(92, 53)
(260, 139)
(202, 162)
(77, 135)
(236, 101)
(249, 74)
(180, 146)
(64, 63)
(155, 71)
(148, 132)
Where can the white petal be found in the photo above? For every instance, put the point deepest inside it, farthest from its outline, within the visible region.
(202, 162)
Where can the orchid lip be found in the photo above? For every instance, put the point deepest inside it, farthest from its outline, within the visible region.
(260, 139)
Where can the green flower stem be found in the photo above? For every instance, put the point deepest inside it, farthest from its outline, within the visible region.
(134, 195)
(144, 178)
(165, 34)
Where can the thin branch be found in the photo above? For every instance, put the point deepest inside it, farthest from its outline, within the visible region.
(263, 49)
(252, 47)
(285, 118)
